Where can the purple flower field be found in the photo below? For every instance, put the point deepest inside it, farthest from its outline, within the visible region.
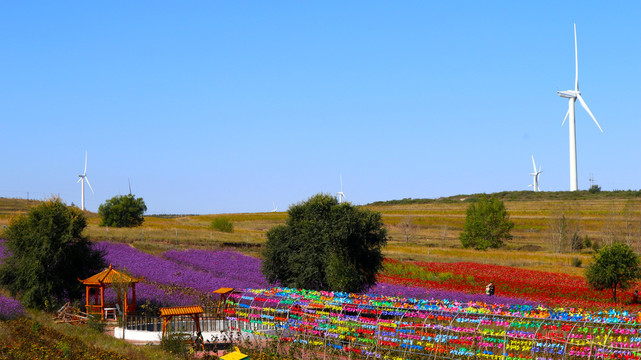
(10, 308)
(230, 265)
(184, 277)
(166, 272)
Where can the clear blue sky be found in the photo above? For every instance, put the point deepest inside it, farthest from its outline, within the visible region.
(226, 106)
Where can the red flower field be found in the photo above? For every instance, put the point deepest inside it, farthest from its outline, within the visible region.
(551, 289)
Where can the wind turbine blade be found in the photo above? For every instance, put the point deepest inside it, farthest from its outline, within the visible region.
(533, 164)
(585, 106)
(79, 180)
(576, 62)
(565, 118)
(88, 183)
(85, 173)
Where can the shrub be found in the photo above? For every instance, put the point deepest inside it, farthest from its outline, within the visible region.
(576, 242)
(176, 343)
(487, 224)
(326, 246)
(576, 262)
(94, 322)
(615, 267)
(222, 224)
(48, 255)
(122, 211)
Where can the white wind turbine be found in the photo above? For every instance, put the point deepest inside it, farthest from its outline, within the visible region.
(275, 207)
(573, 95)
(83, 177)
(535, 174)
(341, 194)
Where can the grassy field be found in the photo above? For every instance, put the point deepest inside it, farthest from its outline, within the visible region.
(419, 229)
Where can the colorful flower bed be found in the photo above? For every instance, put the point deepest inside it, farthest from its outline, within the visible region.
(402, 328)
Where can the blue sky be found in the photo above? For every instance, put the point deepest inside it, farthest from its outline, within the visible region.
(216, 107)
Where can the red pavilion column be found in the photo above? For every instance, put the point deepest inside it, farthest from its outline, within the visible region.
(102, 301)
(88, 299)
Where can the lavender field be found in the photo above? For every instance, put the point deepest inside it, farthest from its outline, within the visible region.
(189, 277)
(199, 272)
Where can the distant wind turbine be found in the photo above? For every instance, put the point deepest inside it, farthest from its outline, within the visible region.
(83, 177)
(341, 194)
(129, 182)
(535, 174)
(275, 207)
(573, 95)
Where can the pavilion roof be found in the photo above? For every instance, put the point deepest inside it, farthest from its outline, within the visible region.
(223, 290)
(181, 310)
(109, 276)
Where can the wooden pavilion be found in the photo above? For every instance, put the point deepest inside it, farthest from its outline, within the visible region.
(223, 294)
(109, 278)
(166, 313)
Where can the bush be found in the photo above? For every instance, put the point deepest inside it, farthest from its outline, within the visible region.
(176, 343)
(615, 267)
(325, 246)
(222, 224)
(594, 189)
(576, 262)
(487, 224)
(122, 211)
(94, 322)
(48, 255)
(576, 242)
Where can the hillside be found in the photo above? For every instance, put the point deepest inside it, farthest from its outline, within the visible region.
(419, 229)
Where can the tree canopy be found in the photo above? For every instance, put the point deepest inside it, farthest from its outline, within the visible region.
(122, 211)
(487, 224)
(325, 245)
(47, 255)
(615, 267)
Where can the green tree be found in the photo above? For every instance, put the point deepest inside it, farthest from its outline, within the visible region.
(48, 255)
(487, 224)
(615, 267)
(325, 245)
(222, 224)
(122, 211)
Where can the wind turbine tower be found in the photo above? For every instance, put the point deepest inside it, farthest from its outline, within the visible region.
(535, 174)
(341, 194)
(573, 95)
(83, 177)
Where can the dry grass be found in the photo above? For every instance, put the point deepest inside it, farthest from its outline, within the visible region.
(436, 227)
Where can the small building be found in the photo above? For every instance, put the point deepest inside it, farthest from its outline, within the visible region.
(110, 278)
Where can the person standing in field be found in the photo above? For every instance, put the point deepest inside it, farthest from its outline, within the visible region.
(489, 289)
(635, 297)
